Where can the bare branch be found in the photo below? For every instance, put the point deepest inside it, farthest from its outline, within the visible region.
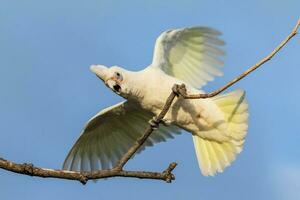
(117, 171)
(83, 177)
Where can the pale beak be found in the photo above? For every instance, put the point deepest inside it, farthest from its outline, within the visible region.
(100, 71)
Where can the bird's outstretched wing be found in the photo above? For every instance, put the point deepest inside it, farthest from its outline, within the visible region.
(109, 134)
(190, 54)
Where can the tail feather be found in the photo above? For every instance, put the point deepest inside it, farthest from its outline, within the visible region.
(215, 156)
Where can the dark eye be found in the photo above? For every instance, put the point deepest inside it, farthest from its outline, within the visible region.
(118, 76)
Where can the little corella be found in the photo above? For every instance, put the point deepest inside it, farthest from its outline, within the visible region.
(218, 125)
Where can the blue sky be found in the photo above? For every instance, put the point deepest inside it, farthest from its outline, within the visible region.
(47, 93)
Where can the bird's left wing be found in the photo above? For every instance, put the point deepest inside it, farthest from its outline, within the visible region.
(190, 54)
(109, 134)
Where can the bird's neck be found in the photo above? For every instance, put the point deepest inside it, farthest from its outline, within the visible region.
(149, 88)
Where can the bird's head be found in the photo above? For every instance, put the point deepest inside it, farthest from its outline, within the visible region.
(114, 77)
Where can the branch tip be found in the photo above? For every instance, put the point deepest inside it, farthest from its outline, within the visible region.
(169, 176)
(297, 26)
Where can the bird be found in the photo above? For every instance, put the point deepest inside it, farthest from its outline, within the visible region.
(218, 125)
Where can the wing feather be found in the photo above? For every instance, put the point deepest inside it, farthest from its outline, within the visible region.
(190, 54)
(109, 134)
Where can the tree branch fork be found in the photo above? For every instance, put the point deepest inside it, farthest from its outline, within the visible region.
(118, 171)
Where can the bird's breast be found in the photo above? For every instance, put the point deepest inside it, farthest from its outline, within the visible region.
(194, 116)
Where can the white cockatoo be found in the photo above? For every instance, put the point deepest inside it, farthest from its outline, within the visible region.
(218, 125)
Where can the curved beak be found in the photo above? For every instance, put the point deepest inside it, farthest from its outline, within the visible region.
(100, 71)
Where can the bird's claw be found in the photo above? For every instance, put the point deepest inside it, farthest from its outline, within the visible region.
(154, 123)
(175, 89)
(179, 90)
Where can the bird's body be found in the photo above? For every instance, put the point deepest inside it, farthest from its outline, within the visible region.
(190, 56)
(189, 114)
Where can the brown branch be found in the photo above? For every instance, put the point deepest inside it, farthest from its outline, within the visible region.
(83, 177)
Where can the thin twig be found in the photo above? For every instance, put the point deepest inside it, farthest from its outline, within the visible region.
(155, 123)
(83, 177)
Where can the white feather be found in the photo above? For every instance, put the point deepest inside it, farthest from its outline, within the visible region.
(198, 46)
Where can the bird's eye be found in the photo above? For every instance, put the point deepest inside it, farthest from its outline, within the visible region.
(118, 76)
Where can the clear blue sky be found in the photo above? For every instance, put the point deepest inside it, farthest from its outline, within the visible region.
(47, 93)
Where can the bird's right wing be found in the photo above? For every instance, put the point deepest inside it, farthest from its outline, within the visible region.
(109, 134)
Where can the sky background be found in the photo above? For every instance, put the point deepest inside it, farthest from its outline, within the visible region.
(47, 93)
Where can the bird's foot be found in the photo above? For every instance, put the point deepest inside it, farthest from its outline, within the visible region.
(175, 89)
(179, 90)
(154, 123)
